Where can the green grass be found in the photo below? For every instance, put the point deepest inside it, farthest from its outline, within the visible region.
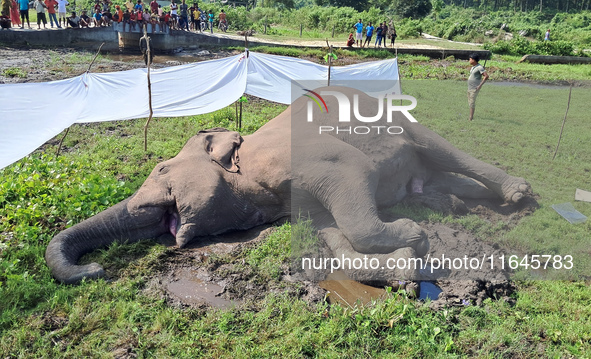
(516, 127)
(14, 72)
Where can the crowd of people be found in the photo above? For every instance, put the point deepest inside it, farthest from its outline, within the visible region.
(15, 13)
(383, 32)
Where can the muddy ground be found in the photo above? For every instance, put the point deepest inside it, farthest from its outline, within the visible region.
(212, 272)
(41, 65)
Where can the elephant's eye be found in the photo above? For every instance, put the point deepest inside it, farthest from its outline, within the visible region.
(163, 170)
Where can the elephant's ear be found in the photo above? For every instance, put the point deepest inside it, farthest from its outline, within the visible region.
(222, 145)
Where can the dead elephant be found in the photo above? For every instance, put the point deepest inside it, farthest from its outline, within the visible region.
(221, 181)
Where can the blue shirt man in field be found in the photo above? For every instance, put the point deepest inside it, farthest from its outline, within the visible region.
(359, 33)
(368, 34)
(478, 77)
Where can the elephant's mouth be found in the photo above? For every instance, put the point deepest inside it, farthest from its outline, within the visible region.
(172, 221)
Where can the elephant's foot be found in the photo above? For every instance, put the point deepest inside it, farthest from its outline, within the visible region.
(379, 268)
(407, 233)
(514, 189)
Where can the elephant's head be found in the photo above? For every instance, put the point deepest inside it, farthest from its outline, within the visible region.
(190, 195)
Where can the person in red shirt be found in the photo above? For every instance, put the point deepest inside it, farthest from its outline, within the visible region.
(132, 20)
(154, 7)
(168, 19)
(51, 4)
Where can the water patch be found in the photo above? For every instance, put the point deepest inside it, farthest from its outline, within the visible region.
(429, 291)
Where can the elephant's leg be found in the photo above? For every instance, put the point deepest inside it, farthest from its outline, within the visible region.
(344, 181)
(370, 269)
(443, 156)
(462, 187)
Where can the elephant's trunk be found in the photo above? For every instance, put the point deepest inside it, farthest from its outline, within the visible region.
(112, 225)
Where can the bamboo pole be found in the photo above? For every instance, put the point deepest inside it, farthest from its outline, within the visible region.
(563, 121)
(329, 60)
(148, 53)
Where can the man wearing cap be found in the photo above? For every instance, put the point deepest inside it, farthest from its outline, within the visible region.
(478, 77)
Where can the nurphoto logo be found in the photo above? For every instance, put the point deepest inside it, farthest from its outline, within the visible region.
(344, 112)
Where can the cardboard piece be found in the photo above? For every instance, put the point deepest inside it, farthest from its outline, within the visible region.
(581, 195)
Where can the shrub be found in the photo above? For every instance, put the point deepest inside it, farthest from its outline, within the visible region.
(520, 46)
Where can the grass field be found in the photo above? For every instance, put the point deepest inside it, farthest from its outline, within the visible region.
(515, 127)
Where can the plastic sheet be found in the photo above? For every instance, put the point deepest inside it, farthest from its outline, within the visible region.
(33, 113)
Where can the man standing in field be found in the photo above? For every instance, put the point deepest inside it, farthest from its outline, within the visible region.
(359, 33)
(478, 77)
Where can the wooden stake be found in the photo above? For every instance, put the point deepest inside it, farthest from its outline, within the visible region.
(148, 53)
(240, 118)
(563, 121)
(329, 60)
(95, 56)
(59, 147)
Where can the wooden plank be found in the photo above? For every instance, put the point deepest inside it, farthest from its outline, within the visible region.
(581, 195)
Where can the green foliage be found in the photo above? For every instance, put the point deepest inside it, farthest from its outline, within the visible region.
(521, 46)
(415, 9)
(14, 72)
(457, 23)
(409, 28)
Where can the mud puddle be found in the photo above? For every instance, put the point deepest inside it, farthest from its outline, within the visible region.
(192, 290)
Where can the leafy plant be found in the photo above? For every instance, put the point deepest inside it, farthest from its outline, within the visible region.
(14, 72)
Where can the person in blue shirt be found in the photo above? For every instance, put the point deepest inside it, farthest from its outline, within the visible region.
(379, 35)
(210, 18)
(368, 34)
(359, 33)
(24, 8)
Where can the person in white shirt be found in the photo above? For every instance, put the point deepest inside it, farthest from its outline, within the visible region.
(61, 11)
(40, 8)
(173, 13)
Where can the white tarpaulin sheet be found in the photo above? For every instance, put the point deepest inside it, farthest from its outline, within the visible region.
(33, 113)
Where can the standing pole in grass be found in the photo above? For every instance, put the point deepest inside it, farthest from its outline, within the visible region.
(563, 121)
(59, 147)
(148, 64)
(398, 70)
(329, 58)
(241, 100)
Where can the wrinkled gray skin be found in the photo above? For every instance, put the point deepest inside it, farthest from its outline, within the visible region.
(220, 182)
